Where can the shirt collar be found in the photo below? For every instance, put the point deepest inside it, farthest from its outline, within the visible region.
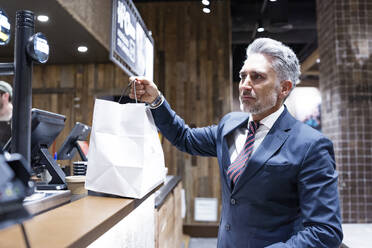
(269, 120)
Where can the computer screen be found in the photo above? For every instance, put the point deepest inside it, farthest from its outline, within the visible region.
(70, 146)
(45, 127)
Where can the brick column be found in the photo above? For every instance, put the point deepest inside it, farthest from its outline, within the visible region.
(345, 47)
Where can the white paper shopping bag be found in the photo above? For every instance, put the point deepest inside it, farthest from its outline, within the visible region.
(125, 155)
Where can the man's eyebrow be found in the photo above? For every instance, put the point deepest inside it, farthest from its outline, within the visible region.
(243, 72)
(259, 72)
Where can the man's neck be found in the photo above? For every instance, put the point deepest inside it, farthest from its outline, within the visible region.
(259, 117)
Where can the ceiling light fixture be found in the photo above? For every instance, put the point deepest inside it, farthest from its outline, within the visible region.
(318, 60)
(206, 10)
(205, 2)
(82, 49)
(260, 28)
(43, 18)
(272, 0)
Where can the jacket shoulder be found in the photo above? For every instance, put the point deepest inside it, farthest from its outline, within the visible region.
(309, 132)
(234, 116)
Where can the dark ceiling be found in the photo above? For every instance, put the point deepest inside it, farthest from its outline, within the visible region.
(290, 21)
(63, 32)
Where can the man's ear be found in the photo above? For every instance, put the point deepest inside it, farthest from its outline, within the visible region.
(285, 88)
(5, 96)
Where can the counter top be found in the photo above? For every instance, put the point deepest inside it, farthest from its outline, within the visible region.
(42, 201)
(169, 184)
(76, 224)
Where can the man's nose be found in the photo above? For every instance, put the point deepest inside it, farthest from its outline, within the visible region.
(247, 82)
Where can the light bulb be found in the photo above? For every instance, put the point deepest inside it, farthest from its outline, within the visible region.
(206, 10)
(82, 49)
(42, 18)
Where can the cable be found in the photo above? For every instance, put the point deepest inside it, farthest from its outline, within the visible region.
(25, 236)
(125, 91)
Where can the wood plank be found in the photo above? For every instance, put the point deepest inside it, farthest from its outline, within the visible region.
(309, 61)
(308, 83)
(197, 79)
(73, 225)
(67, 76)
(85, 102)
(51, 76)
(79, 223)
(37, 76)
(311, 73)
(100, 72)
(166, 223)
(178, 235)
(192, 69)
(12, 237)
(52, 90)
(78, 97)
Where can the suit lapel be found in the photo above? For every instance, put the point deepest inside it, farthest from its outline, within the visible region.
(231, 125)
(275, 138)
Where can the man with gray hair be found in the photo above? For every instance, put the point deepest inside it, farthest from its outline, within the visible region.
(6, 110)
(6, 107)
(278, 177)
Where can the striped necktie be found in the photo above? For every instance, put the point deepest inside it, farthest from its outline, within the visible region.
(237, 167)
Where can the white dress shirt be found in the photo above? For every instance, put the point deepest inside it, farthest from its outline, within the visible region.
(237, 139)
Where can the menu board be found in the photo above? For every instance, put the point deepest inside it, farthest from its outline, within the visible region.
(132, 47)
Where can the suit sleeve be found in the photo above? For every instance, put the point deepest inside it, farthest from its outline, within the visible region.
(196, 141)
(319, 203)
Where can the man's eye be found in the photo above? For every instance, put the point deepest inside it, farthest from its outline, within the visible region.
(257, 77)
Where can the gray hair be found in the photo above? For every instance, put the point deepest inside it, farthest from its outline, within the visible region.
(285, 62)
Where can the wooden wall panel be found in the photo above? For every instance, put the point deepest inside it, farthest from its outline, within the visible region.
(70, 90)
(193, 49)
(192, 69)
(168, 221)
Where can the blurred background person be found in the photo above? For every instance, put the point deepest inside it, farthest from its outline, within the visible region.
(6, 110)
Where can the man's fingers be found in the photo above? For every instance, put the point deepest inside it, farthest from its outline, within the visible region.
(139, 96)
(139, 86)
(139, 93)
(132, 95)
(142, 88)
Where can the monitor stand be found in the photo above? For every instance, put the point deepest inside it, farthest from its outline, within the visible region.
(81, 153)
(58, 181)
(48, 186)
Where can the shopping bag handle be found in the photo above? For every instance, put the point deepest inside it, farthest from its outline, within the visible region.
(126, 89)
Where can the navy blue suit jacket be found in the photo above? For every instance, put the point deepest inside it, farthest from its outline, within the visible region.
(286, 197)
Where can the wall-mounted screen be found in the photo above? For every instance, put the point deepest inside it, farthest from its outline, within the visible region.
(132, 47)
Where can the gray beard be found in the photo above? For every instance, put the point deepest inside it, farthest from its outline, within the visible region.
(260, 107)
